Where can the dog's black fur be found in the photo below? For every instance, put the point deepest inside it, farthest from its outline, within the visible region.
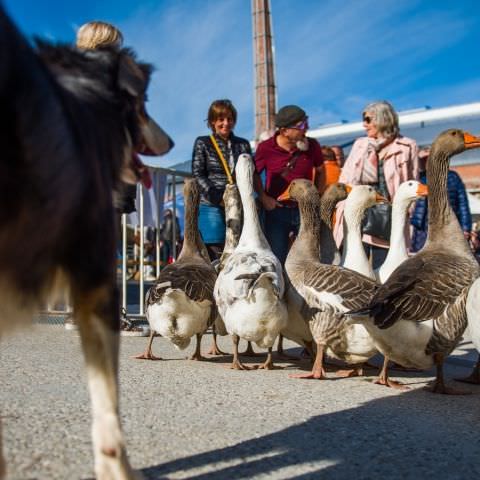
(63, 127)
(69, 122)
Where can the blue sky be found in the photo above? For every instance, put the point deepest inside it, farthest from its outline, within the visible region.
(332, 56)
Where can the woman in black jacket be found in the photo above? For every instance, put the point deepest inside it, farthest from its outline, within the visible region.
(211, 174)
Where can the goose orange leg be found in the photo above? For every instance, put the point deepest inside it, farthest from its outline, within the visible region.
(318, 372)
(236, 363)
(214, 349)
(384, 380)
(147, 354)
(197, 355)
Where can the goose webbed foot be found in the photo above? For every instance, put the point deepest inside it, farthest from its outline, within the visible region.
(318, 372)
(387, 382)
(147, 354)
(214, 349)
(474, 377)
(268, 365)
(350, 372)
(236, 363)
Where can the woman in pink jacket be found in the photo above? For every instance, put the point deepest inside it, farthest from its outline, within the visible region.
(383, 159)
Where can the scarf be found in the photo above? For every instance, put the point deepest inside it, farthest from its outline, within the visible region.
(370, 159)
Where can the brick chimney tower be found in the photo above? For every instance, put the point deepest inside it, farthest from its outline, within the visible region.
(265, 89)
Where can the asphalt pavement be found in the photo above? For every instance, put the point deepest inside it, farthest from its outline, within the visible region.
(201, 420)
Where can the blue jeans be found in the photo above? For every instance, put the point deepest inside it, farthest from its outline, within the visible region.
(279, 224)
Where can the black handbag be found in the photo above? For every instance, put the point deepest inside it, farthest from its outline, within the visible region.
(377, 221)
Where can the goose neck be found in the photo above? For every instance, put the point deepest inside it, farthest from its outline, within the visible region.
(307, 244)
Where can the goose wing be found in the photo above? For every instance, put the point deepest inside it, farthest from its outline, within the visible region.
(422, 288)
(353, 289)
(195, 280)
(243, 271)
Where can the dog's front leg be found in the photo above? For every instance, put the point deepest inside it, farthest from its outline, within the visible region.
(100, 342)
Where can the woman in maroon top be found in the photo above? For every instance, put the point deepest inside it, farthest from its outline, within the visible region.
(286, 156)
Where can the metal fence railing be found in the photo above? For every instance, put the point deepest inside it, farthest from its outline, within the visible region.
(132, 253)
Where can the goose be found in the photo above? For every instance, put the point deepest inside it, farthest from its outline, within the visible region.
(297, 328)
(233, 222)
(418, 315)
(334, 193)
(180, 304)
(473, 317)
(326, 291)
(354, 257)
(407, 192)
(249, 290)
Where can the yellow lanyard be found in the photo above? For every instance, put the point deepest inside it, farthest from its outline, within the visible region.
(222, 159)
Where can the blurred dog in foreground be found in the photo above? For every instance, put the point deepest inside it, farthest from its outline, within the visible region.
(70, 124)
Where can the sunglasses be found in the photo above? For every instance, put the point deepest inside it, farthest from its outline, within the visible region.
(367, 119)
(303, 125)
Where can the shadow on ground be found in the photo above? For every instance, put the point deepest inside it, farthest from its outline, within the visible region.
(412, 435)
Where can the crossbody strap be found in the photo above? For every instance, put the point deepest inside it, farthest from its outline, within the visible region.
(223, 161)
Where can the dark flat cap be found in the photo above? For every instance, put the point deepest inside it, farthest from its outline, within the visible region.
(288, 116)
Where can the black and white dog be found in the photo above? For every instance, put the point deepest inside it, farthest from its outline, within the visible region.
(70, 122)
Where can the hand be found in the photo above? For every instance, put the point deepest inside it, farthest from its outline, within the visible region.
(466, 234)
(269, 203)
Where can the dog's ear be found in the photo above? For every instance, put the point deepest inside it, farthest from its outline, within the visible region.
(131, 78)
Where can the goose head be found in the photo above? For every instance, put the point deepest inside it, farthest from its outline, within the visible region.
(244, 171)
(301, 190)
(359, 199)
(409, 191)
(452, 142)
(336, 192)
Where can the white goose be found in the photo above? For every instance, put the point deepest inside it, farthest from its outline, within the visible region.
(180, 304)
(250, 288)
(326, 291)
(354, 257)
(418, 315)
(407, 192)
(233, 230)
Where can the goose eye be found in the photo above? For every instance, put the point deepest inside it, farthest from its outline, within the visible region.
(454, 133)
(410, 184)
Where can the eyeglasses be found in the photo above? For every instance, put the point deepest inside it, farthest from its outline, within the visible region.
(367, 119)
(303, 125)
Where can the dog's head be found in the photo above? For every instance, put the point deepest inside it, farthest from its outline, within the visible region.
(113, 79)
(148, 138)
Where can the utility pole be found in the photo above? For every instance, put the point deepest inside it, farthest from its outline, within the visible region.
(265, 89)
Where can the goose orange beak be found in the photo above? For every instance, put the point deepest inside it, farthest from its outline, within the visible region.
(422, 190)
(471, 141)
(348, 188)
(380, 199)
(285, 195)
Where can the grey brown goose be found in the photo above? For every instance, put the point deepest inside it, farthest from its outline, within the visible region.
(418, 315)
(325, 291)
(297, 328)
(180, 304)
(331, 196)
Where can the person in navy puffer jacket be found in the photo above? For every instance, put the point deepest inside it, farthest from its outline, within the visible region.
(457, 197)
